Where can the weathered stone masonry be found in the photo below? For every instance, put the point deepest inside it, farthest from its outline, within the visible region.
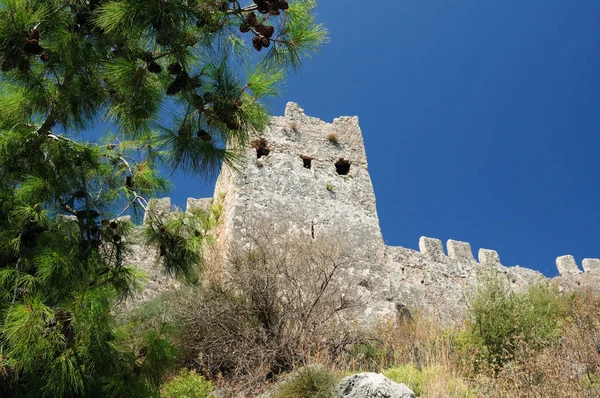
(313, 176)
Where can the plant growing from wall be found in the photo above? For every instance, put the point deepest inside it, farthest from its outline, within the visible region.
(163, 75)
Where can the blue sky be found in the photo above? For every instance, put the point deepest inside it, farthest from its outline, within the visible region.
(481, 119)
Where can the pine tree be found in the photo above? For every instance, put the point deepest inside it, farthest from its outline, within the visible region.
(163, 77)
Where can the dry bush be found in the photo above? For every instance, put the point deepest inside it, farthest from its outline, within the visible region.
(279, 304)
(333, 138)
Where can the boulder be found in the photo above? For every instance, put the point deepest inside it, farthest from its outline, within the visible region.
(371, 385)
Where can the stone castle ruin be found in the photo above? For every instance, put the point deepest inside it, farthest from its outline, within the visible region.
(313, 176)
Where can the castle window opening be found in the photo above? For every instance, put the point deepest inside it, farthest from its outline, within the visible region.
(342, 167)
(307, 162)
(261, 147)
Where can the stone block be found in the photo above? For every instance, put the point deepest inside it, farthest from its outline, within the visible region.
(489, 257)
(198, 204)
(591, 265)
(432, 248)
(460, 250)
(567, 266)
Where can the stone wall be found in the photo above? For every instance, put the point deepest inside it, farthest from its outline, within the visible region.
(311, 178)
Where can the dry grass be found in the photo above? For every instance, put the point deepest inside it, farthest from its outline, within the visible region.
(333, 138)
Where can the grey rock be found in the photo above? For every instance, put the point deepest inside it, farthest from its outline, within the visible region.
(372, 385)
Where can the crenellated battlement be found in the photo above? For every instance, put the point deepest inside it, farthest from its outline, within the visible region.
(313, 177)
(432, 250)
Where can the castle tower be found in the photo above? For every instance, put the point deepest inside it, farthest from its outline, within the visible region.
(310, 174)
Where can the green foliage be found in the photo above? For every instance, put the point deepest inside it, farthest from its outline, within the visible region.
(309, 382)
(370, 356)
(187, 384)
(409, 375)
(424, 381)
(501, 318)
(165, 75)
(329, 187)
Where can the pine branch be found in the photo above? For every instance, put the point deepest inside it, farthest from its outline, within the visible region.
(46, 127)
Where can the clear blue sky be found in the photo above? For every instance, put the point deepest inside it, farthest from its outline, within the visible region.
(481, 119)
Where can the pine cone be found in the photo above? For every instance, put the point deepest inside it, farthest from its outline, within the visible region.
(263, 8)
(35, 34)
(174, 88)
(265, 41)
(251, 18)
(154, 67)
(33, 47)
(182, 79)
(244, 28)
(257, 42)
(204, 136)
(270, 31)
(283, 5)
(80, 18)
(266, 30)
(260, 29)
(45, 57)
(116, 238)
(175, 69)
(114, 224)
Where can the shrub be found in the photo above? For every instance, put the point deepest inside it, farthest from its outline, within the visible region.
(293, 126)
(333, 138)
(258, 318)
(188, 384)
(499, 319)
(310, 382)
